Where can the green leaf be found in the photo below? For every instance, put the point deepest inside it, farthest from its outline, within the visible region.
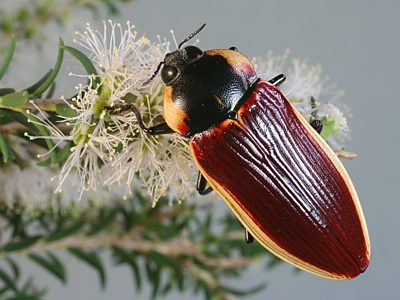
(36, 85)
(112, 7)
(3, 119)
(94, 10)
(3, 148)
(163, 259)
(207, 291)
(53, 74)
(50, 263)
(8, 281)
(60, 157)
(3, 291)
(14, 267)
(123, 256)
(9, 56)
(103, 223)
(51, 91)
(21, 244)
(28, 285)
(154, 276)
(30, 292)
(93, 260)
(44, 132)
(5, 91)
(17, 224)
(15, 116)
(64, 232)
(246, 292)
(314, 104)
(168, 285)
(329, 127)
(14, 99)
(64, 153)
(65, 110)
(169, 232)
(273, 262)
(129, 98)
(86, 63)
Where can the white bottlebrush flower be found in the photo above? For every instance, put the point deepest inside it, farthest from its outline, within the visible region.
(335, 122)
(109, 149)
(162, 163)
(33, 186)
(312, 94)
(122, 58)
(88, 136)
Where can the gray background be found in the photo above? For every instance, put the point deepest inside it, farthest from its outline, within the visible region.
(357, 43)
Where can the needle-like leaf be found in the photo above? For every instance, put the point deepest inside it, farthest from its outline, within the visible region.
(8, 58)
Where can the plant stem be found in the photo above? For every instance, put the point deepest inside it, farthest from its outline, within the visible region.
(48, 105)
(132, 241)
(341, 153)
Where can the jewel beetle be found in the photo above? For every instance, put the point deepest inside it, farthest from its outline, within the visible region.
(279, 177)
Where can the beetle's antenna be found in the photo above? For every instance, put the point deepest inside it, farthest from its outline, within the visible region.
(154, 74)
(191, 36)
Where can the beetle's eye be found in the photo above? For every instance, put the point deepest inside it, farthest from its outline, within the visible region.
(193, 52)
(169, 74)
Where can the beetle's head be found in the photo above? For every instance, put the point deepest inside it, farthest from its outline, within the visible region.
(203, 87)
(175, 63)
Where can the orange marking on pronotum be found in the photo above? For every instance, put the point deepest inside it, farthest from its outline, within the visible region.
(174, 115)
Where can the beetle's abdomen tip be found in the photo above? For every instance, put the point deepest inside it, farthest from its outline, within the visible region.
(362, 264)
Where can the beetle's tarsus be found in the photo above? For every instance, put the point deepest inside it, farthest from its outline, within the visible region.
(317, 125)
(159, 129)
(248, 236)
(201, 185)
(277, 80)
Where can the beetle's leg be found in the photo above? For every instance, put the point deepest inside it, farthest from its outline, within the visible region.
(158, 129)
(317, 125)
(201, 185)
(277, 80)
(248, 236)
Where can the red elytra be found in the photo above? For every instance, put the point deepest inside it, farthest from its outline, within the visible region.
(286, 185)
